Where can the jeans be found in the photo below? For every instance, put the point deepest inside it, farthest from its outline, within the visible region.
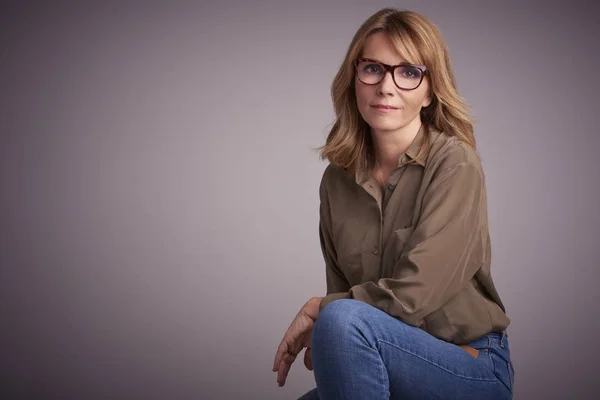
(361, 352)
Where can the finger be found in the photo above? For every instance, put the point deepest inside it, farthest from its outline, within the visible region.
(284, 368)
(293, 339)
(277, 361)
(282, 350)
(289, 345)
(282, 374)
(308, 359)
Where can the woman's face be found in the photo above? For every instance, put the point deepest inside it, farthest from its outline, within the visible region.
(407, 103)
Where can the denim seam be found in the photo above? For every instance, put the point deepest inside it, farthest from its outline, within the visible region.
(382, 369)
(384, 377)
(496, 367)
(439, 366)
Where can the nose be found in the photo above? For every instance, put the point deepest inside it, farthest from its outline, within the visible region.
(387, 85)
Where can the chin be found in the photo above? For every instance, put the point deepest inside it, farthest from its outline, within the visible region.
(385, 126)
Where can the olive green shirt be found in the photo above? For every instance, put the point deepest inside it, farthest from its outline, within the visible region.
(419, 249)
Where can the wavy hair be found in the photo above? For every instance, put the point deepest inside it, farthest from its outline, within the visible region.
(418, 41)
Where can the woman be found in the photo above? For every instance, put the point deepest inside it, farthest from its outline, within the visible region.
(411, 311)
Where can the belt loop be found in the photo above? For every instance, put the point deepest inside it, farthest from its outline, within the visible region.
(503, 339)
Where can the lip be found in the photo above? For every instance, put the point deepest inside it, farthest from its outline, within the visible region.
(384, 108)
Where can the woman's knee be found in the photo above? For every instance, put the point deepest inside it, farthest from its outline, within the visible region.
(339, 318)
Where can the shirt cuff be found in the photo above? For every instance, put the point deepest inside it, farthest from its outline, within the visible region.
(332, 297)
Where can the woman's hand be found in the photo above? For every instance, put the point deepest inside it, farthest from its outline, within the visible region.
(297, 337)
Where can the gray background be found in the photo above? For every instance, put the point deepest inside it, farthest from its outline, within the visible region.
(160, 188)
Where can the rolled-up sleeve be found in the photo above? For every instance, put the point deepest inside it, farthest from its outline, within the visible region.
(441, 255)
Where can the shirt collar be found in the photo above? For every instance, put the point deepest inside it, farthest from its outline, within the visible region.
(414, 148)
(362, 174)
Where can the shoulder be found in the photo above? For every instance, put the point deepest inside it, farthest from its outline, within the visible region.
(333, 176)
(448, 152)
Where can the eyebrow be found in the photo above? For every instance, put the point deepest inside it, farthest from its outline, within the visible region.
(378, 61)
(393, 65)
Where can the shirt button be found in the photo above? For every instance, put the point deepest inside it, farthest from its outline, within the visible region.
(391, 186)
(375, 251)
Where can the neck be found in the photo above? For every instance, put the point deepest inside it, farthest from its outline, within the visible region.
(390, 145)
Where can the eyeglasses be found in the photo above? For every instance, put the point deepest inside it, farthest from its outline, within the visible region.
(405, 76)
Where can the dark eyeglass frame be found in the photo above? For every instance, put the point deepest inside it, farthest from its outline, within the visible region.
(391, 69)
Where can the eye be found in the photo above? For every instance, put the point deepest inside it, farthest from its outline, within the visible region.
(372, 68)
(409, 72)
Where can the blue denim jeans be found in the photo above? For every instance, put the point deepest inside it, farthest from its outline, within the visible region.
(361, 352)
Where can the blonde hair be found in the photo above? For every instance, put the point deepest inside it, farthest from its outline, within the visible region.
(418, 41)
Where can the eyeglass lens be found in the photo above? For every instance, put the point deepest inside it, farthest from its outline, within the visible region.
(406, 76)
